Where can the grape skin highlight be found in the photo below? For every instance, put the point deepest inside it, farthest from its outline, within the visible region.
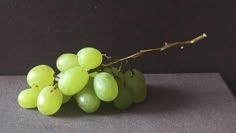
(28, 98)
(87, 100)
(73, 80)
(49, 100)
(40, 76)
(67, 61)
(89, 58)
(105, 86)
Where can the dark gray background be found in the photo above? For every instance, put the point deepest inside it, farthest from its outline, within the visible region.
(37, 32)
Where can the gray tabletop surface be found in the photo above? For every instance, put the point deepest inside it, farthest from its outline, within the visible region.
(176, 103)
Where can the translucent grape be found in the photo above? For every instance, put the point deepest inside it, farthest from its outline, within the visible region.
(66, 99)
(73, 80)
(49, 100)
(105, 86)
(67, 61)
(28, 98)
(137, 85)
(87, 100)
(89, 58)
(40, 76)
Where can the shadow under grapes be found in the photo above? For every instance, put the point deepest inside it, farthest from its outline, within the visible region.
(159, 99)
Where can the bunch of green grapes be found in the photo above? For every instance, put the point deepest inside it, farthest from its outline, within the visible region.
(48, 92)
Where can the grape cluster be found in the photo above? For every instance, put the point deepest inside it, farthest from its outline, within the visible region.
(74, 81)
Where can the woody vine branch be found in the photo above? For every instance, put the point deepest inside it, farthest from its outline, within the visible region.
(142, 52)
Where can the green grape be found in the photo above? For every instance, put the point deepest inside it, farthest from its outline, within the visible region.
(89, 58)
(112, 70)
(40, 76)
(93, 74)
(67, 61)
(49, 100)
(121, 78)
(73, 80)
(105, 86)
(124, 99)
(87, 100)
(137, 85)
(28, 98)
(66, 99)
(90, 82)
(139, 74)
(136, 72)
(59, 76)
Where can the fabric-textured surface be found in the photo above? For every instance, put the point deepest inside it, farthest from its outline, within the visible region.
(176, 103)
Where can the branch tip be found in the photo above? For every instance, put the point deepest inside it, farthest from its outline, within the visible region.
(204, 35)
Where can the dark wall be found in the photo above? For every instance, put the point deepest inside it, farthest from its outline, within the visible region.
(37, 32)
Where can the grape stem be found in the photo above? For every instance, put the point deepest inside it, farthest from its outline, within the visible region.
(142, 52)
